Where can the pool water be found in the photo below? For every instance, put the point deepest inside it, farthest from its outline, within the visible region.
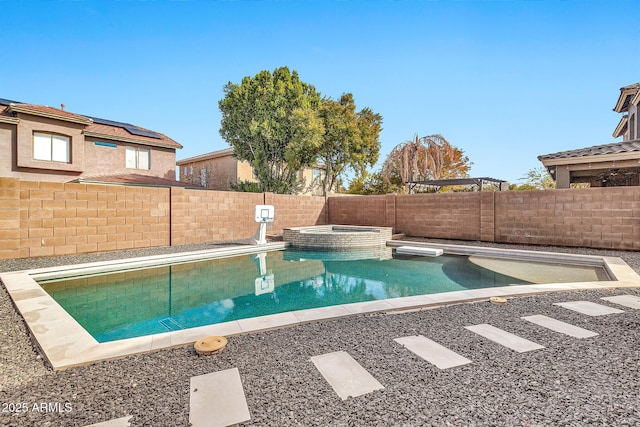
(148, 301)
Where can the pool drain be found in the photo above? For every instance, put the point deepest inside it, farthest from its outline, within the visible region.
(210, 345)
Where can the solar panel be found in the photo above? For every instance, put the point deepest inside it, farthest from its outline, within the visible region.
(141, 132)
(8, 102)
(108, 122)
(133, 130)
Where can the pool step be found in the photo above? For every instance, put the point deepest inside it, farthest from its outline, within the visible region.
(414, 250)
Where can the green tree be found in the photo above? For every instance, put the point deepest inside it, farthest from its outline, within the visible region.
(271, 121)
(535, 179)
(370, 183)
(350, 139)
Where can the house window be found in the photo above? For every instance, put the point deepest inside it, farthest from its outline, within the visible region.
(184, 171)
(316, 177)
(203, 177)
(51, 147)
(138, 158)
(632, 127)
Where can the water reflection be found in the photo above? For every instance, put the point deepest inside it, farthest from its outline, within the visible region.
(265, 282)
(141, 302)
(377, 253)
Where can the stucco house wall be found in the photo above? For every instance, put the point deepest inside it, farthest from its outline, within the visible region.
(112, 160)
(95, 148)
(9, 160)
(216, 170)
(215, 174)
(29, 124)
(7, 142)
(245, 171)
(222, 169)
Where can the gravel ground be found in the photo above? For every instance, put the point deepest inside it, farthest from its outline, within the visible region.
(571, 382)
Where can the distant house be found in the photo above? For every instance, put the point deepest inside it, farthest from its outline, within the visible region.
(609, 165)
(42, 143)
(217, 170)
(627, 104)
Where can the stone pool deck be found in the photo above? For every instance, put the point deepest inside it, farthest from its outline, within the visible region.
(571, 381)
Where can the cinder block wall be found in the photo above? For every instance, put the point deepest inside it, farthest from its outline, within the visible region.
(593, 217)
(49, 218)
(10, 242)
(52, 218)
(444, 215)
(200, 216)
(358, 210)
(295, 211)
(607, 218)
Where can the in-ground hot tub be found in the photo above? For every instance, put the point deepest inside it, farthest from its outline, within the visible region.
(336, 236)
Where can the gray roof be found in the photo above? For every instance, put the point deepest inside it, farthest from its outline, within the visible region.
(615, 148)
(631, 86)
(626, 94)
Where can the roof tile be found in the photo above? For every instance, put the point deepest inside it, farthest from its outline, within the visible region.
(107, 130)
(51, 110)
(615, 148)
(118, 132)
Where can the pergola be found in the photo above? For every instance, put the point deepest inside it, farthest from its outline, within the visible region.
(436, 184)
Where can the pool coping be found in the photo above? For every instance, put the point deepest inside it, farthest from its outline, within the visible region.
(65, 343)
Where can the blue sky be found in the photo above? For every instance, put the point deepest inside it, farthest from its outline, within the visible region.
(505, 81)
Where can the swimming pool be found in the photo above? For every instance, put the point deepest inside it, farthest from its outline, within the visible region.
(65, 342)
(153, 300)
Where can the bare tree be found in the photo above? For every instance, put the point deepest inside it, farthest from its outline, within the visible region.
(426, 158)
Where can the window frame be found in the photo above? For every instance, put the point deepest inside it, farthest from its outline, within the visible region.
(137, 151)
(316, 175)
(51, 136)
(203, 177)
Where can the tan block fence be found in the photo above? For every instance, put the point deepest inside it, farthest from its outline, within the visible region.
(49, 219)
(607, 218)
